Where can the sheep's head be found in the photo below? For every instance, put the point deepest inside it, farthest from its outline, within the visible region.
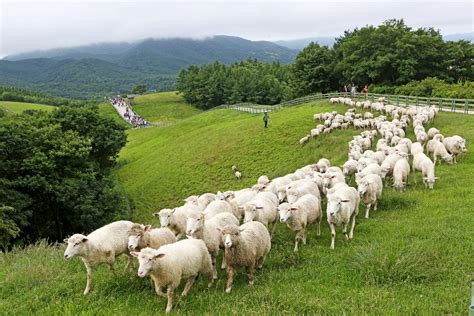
(146, 258)
(250, 212)
(363, 185)
(399, 185)
(75, 246)
(292, 195)
(165, 216)
(334, 206)
(284, 211)
(194, 223)
(259, 187)
(136, 236)
(461, 145)
(281, 194)
(230, 235)
(192, 200)
(429, 181)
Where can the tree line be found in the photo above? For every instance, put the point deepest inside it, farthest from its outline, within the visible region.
(389, 55)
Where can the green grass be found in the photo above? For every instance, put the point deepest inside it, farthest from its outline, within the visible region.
(19, 107)
(106, 109)
(163, 107)
(413, 256)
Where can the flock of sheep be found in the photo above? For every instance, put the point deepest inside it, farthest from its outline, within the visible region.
(212, 221)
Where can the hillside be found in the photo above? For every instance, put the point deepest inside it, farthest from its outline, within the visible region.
(413, 255)
(19, 107)
(111, 68)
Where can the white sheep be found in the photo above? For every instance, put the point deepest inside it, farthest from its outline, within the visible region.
(439, 150)
(261, 209)
(422, 163)
(342, 207)
(142, 236)
(246, 247)
(422, 137)
(349, 168)
(305, 139)
(297, 216)
(370, 189)
(400, 174)
(103, 245)
(175, 219)
(298, 188)
(323, 164)
(263, 180)
(219, 206)
(432, 132)
(238, 175)
(168, 265)
(416, 148)
(455, 145)
(198, 227)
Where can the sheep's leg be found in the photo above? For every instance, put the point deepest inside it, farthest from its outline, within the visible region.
(89, 279)
(230, 279)
(333, 235)
(223, 265)
(250, 272)
(318, 226)
(157, 287)
(214, 269)
(305, 233)
(273, 229)
(297, 238)
(351, 234)
(188, 285)
(129, 265)
(367, 210)
(344, 230)
(112, 268)
(375, 204)
(169, 294)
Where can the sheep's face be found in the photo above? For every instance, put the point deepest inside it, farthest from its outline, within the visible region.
(429, 182)
(461, 145)
(230, 236)
(146, 259)
(292, 196)
(284, 211)
(166, 217)
(192, 200)
(399, 186)
(76, 245)
(134, 241)
(334, 207)
(363, 186)
(194, 224)
(281, 194)
(250, 212)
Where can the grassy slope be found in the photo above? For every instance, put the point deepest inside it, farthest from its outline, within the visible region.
(163, 107)
(106, 109)
(414, 255)
(18, 107)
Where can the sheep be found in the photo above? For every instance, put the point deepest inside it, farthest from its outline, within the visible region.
(349, 168)
(201, 201)
(416, 148)
(238, 175)
(440, 150)
(261, 209)
(219, 206)
(305, 139)
(432, 132)
(455, 145)
(298, 188)
(263, 180)
(198, 227)
(142, 236)
(422, 137)
(168, 265)
(103, 245)
(373, 168)
(370, 189)
(246, 246)
(175, 219)
(424, 164)
(297, 216)
(400, 174)
(342, 207)
(331, 179)
(276, 183)
(314, 132)
(234, 168)
(323, 164)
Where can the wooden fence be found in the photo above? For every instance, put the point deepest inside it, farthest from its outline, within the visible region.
(465, 106)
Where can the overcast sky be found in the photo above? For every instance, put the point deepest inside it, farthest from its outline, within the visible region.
(37, 24)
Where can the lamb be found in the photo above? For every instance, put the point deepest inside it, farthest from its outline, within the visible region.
(175, 219)
(169, 264)
(234, 168)
(238, 175)
(342, 207)
(297, 216)
(400, 174)
(198, 227)
(247, 247)
(314, 132)
(370, 189)
(142, 236)
(323, 164)
(305, 139)
(263, 180)
(426, 166)
(455, 145)
(103, 245)
(440, 150)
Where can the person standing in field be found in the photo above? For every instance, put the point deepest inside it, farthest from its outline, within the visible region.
(353, 90)
(366, 89)
(265, 119)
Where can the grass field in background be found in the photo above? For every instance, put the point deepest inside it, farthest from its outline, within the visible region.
(413, 256)
(163, 107)
(18, 107)
(106, 109)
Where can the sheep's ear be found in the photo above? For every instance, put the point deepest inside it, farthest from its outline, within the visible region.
(147, 228)
(259, 207)
(218, 229)
(173, 210)
(158, 256)
(134, 254)
(156, 214)
(66, 240)
(84, 239)
(345, 201)
(436, 178)
(294, 208)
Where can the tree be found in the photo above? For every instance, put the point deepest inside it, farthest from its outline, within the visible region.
(139, 89)
(55, 172)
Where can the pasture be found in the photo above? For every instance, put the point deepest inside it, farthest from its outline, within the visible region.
(18, 107)
(413, 256)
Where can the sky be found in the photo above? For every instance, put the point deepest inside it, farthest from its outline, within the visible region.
(38, 24)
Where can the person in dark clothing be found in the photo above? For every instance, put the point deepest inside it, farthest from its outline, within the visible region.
(265, 119)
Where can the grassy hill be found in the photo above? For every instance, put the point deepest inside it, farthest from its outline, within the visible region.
(163, 107)
(18, 107)
(413, 256)
(106, 109)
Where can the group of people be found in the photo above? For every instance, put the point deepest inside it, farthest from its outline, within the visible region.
(353, 88)
(129, 115)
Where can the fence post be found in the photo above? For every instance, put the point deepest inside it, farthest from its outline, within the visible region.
(466, 107)
(440, 104)
(453, 105)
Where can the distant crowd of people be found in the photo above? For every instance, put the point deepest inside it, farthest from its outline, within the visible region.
(353, 88)
(129, 115)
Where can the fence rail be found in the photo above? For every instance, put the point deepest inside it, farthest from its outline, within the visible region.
(465, 106)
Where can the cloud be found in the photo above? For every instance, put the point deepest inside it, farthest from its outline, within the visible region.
(33, 25)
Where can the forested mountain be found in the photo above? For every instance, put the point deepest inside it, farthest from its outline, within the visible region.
(99, 69)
